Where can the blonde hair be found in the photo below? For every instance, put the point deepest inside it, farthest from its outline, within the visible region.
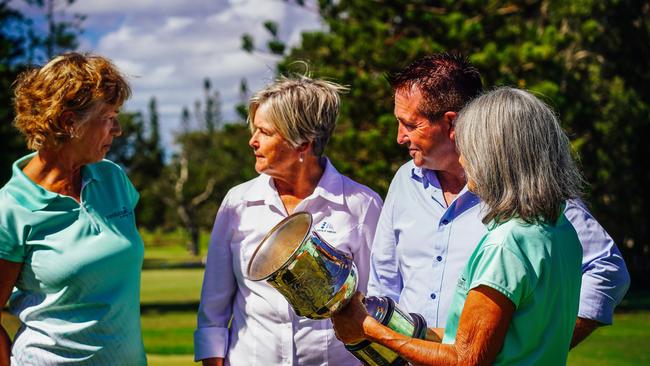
(517, 156)
(301, 109)
(71, 82)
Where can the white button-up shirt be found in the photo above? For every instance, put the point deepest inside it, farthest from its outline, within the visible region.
(265, 330)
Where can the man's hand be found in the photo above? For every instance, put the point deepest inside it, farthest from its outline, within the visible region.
(348, 322)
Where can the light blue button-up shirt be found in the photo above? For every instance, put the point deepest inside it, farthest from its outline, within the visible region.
(421, 245)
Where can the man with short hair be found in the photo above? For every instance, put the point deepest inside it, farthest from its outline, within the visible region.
(430, 223)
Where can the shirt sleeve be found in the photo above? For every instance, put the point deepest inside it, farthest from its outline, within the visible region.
(605, 278)
(131, 192)
(366, 233)
(219, 286)
(10, 249)
(385, 278)
(500, 268)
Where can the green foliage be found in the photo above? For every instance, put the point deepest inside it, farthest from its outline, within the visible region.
(247, 43)
(61, 33)
(223, 156)
(587, 59)
(274, 46)
(139, 152)
(20, 44)
(11, 51)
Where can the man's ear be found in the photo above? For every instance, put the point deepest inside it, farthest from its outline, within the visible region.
(449, 118)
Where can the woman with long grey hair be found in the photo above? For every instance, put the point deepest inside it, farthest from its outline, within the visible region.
(517, 298)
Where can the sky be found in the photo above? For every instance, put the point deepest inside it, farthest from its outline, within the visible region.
(168, 47)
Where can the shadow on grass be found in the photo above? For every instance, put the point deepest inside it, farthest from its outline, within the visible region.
(165, 263)
(635, 300)
(166, 307)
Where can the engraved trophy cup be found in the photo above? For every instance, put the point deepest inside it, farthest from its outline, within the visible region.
(317, 280)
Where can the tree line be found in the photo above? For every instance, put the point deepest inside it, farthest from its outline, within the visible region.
(587, 59)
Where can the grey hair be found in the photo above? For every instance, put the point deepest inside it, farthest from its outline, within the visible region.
(302, 109)
(517, 156)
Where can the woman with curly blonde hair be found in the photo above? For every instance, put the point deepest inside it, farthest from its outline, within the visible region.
(68, 241)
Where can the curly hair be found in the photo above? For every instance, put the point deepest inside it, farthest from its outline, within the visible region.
(71, 82)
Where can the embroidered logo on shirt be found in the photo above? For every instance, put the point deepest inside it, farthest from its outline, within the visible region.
(325, 227)
(462, 282)
(123, 213)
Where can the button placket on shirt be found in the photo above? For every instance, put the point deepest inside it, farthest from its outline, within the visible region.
(86, 209)
(287, 337)
(440, 249)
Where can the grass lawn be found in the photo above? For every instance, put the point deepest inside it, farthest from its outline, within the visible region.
(171, 360)
(169, 333)
(624, 343)
(162, 249)
(170, 299)
(171, 286)
(169, 303)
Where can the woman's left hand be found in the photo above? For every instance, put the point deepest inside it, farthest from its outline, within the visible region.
(348, 322)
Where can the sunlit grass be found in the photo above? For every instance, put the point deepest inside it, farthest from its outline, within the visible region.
(170, 360)
(169, 333)
(161, 286)
(624, 343)
(170, 298)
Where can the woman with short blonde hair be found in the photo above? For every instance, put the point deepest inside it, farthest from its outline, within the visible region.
(291, 121)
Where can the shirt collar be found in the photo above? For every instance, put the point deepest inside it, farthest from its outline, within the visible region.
(429, 179)
(33, 196)
(330, 187)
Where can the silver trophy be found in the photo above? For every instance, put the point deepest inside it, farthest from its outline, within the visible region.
(317, 280)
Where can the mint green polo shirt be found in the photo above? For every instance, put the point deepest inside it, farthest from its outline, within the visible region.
(537, 267)
(78, 293)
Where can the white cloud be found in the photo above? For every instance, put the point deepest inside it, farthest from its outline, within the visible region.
(169, 46)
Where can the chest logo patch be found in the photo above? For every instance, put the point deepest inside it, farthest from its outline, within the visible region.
(462, 282)
(121, 214)
(325, 227)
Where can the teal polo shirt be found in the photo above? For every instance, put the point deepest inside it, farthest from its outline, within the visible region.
(537, 267)
(78, 293)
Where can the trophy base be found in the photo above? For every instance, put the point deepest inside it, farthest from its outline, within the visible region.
(388, 314)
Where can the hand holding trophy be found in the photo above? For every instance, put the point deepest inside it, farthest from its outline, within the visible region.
(318, 280)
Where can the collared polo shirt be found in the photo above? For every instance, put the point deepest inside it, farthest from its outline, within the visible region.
(78, 291)
(537, 267)
(422, 244)
(265, 330)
